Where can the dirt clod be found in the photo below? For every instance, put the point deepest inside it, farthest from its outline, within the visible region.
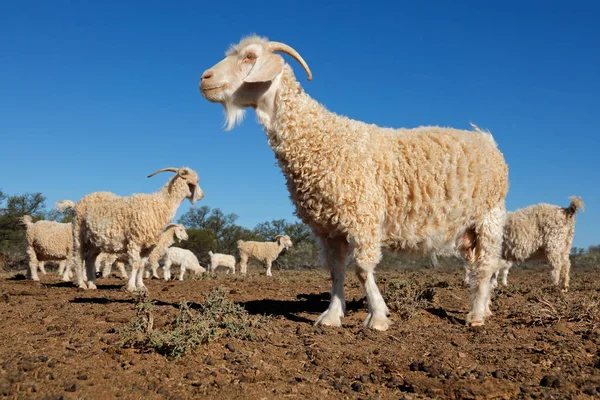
(71, 387)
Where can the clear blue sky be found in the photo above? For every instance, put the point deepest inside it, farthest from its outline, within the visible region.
(96, 97)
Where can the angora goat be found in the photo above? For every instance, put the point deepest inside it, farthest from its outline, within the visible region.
(361, 187)
(266, 252)
(541, 231)
(105, 222)
(47, 241)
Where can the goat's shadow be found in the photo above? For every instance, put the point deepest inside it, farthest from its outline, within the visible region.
(132, 300)
(310, 303)
(443, 314)
(306, 303)
(71, 285)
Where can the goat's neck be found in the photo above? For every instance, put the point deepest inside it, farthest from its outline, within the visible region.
(172, 195)
(280, 247)
(279, 111)
(167, 239)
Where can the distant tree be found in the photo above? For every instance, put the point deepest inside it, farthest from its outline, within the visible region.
(62, 217)
(211, 229)
(12, 230)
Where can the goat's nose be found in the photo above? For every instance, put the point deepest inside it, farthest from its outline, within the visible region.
(207, 75)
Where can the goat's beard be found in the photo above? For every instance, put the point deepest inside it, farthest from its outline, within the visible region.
(234, 115)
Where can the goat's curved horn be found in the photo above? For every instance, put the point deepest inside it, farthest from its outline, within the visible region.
(164, 170)
(170, 226)
(284, 48)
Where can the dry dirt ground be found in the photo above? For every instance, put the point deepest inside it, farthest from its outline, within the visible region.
(57, 342)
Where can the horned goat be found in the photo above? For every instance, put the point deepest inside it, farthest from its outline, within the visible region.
(105, 222)
(186, 260)
(361, 187)
(221, 260)
(47, 241)
(541, 231)
(265, 252)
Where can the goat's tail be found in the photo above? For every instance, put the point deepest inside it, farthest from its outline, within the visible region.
(576, 204)
(26, 219)
(63, 205)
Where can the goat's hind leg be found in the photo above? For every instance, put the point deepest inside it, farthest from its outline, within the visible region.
(486, 262)
(366, 259)
(90, 269)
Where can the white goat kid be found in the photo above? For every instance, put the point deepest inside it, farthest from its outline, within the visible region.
(185, 259)
(221, 260)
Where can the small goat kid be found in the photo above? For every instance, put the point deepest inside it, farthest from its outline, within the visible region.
(265, 252)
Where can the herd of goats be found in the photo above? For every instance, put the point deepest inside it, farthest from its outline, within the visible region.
(359, 187)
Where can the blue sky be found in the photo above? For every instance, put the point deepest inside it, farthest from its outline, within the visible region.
(96, 97)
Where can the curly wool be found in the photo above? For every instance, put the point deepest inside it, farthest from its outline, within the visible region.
(47, 241)
(410, 189)
(542, 231)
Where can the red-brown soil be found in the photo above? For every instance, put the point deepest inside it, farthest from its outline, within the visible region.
(60, 342)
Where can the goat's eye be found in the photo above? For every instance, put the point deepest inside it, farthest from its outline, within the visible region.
(250, 56)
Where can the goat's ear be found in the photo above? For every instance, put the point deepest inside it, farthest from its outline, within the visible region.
(265, 68)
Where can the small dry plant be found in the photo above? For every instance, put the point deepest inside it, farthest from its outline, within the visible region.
(406, 297)
(584, 310)
(217, 317)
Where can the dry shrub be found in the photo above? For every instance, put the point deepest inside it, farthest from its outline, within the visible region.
(584, 311)
(217, 317)
(407, 296)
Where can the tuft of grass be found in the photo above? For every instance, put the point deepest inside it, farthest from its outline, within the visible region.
(407, 296)
(217, 317)
(584, 311)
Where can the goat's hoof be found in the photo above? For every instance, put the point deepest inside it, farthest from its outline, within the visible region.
(474, 320)
(564, 290)
(379, 322)
(35, 278)
(329, 318)
(130, 289)
(82, 286)
(142, 291)
(91, 286)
